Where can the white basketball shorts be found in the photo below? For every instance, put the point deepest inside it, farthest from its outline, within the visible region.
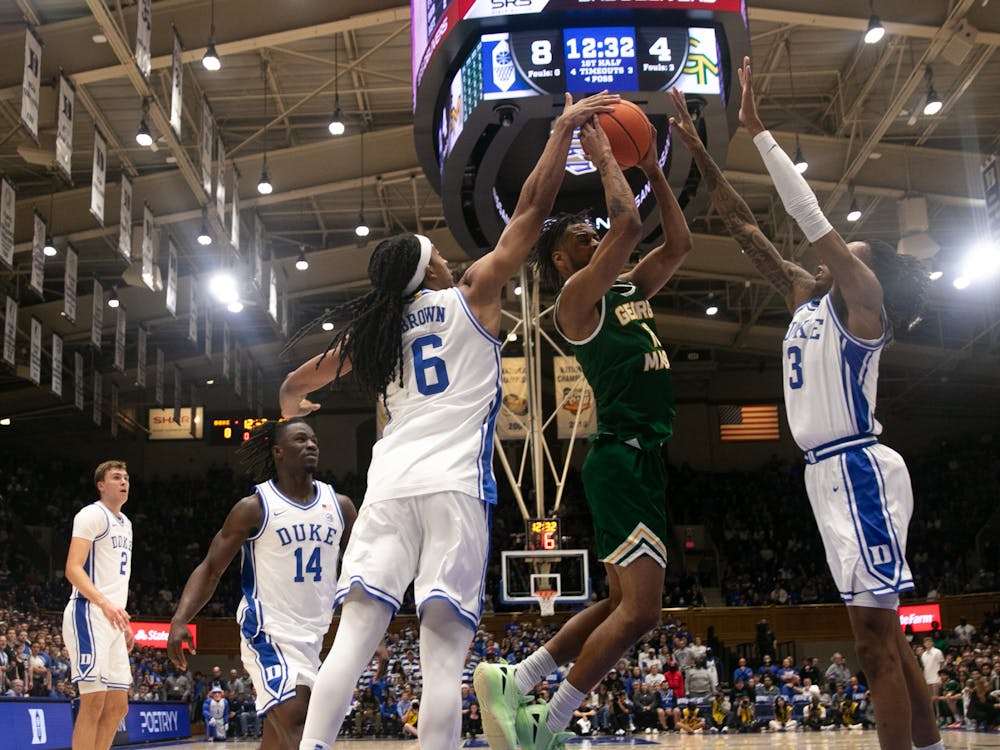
(441, 542)
(863, 501)
(277, 666)
(97, 653)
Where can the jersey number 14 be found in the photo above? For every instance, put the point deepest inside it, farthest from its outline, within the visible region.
(314, 565)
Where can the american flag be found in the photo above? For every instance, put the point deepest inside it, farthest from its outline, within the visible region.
(745, 423)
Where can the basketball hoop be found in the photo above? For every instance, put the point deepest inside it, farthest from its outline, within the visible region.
(546, 601)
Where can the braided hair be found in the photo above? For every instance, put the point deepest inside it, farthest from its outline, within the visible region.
(904, 283)
(553, 229)
(256, 456)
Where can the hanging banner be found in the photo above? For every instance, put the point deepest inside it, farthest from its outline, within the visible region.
(97, 315)
(99, 175)
(512, 421)
(120, 324)
(140, 367)
(98, 393)
(177, 394)
(125, 220)
(220, 181)
(574, 399)
(207, 141)
(10, 333)
(64, 128)
(171, 298)
(35, 352)
(237, 370)
(272, 295)
(176, 86)
(78, 380)
(143, 31)
(284, 310)
(158, 389)
(227, 351)
(8, 204)
(36, 282)
(257, 261)
(114, 410)
(196, 422)
(69, 283)
(234, 230)
(57, 364)
(148, 227)
(248, 388)
(259, 380)
(208, 331)
(193, 313)
(31, 84)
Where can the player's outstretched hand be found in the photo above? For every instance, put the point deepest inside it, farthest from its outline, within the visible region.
(576, 114)
(179, 635)
(748, 105)
(595, 142)
(650, 161)
(304, 408)
(681, 124)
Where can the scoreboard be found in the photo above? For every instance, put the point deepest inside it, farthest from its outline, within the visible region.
(489, 76)
(541, 533)
(232, 430)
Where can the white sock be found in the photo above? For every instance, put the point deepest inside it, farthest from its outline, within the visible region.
(534, 669)
(939, 745)
(562, 705)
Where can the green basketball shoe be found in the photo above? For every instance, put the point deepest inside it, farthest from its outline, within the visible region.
(533, 732)
(499, 700)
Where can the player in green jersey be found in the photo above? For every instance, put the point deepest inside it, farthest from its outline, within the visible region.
(608, 319)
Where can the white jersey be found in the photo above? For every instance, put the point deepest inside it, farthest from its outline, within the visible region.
(288, 571)
(439, 437)
(109, 562)
(831, 377)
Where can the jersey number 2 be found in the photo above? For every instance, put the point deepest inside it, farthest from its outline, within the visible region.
(422, 364)
(313, 565)
(795, 362)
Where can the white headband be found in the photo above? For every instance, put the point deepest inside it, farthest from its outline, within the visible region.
(425, 259)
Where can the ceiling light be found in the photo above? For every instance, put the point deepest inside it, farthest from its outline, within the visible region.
(211, 59)
(854, 213)
(962, 282)
(982, 261)
(223, 287)
(875, 30)
(50, 247)
(264, 186)
(5, 422)
(518, 290)
(113, 301)
(712, 310)
(210, 381)
(235, 307)
(327, 325)
(935, 275)
(99, 39)
(204, 238)
(142, 135)
(336, 126)
(362, 229)
(302, 264)
(934, 103)
(512, 337)
(801, 165)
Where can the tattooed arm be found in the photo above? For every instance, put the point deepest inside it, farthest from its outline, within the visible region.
(578, 314)
(789, 279)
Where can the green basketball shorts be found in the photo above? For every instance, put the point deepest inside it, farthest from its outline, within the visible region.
(626, 491)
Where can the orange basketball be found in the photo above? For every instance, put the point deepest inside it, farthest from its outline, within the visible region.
(628, 131)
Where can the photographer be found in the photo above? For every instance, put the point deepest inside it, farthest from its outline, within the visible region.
(621, 712)
(744, 715)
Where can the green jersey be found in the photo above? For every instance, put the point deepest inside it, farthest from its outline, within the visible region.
(626, 366)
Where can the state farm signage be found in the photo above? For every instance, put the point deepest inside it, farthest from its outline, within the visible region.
(920, 616)
(154, 634)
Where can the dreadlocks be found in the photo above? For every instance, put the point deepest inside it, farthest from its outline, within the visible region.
(371, 338)
(255, 454)
(904, 284)
(553, 229)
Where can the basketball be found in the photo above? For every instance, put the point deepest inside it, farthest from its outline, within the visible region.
(628, 131)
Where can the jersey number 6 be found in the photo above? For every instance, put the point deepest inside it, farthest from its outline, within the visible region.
(421, 364)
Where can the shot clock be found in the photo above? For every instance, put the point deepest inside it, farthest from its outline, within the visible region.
(541, 533)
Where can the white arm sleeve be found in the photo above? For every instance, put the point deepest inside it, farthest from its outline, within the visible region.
(795, 193)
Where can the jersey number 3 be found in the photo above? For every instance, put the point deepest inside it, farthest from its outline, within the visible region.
(423, 365)
(795, 363)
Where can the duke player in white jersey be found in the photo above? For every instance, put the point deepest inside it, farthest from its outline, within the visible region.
(290, 533)
(842, 317)
(430, 349)
(95, 624)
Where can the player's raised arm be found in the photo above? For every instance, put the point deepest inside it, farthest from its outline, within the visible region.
(855, 281)
(789, 279)
(310, 376)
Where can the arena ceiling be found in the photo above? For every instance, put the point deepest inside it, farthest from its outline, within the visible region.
(857, 109)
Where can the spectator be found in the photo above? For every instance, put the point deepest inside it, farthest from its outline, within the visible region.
(964, 632)
(782, 720)
(698, 681)
(392, 725)
(583, 718)
(410, 720)
(742, 671)
(472, 724)
(245, 711)
(838, 673)
(931, 660)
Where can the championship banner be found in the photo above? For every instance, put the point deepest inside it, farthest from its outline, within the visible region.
(208, 331)
(36, 282)
(227, 350)
(78, 380)
(177, 393)
(120, 324)
(10, 333)
(176, 86)
(35, 352)
(64, 128)
(97, 315)
(237, 370)
(57, 364)
(234, 230)
(991, 192)
(114, 410)
(99, 176)
(193, 312)
(220, 181)
(31, 84)
(142, 336)
(125, 220)
(171, 291)
(257, 261)
(207, 141)
(98, 393)
(512, 421)
(284, 309)
(69, 283)
(8, 205)
(158, 390)
(148, 227)
(272, 294)
(574, 399)
(144, 28)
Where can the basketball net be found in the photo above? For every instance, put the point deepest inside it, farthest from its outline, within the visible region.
(546, 602)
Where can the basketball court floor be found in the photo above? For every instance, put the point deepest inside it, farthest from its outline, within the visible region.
(843, 740)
